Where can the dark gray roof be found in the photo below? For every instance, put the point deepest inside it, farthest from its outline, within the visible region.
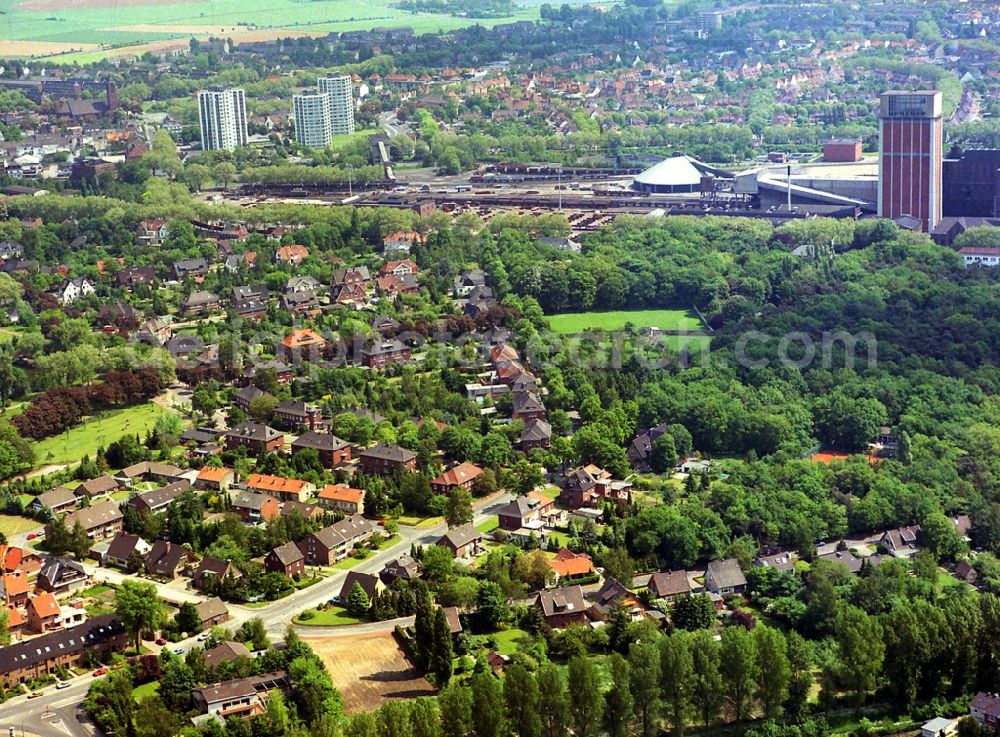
(724, 574)
(563, 600)
(89, 635)
(319, 441)
(382, 451)
(460, 536)
(287, 554)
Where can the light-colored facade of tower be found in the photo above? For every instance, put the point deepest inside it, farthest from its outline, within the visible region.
(222, 114)
(312, 119)
(341, 92)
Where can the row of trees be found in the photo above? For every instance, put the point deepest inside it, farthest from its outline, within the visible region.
(60, 408)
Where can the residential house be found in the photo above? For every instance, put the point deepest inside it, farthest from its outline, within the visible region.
(463, 542)
(72, 290)
(196, 268)
(60, 576)
(243, 697)
(292, 254)
(157, 500)
(965, 572)
(254, 508)
(387, 459)
(902, 542)
(401, 241)
(523, 512)
(462, 476)
(286, 559)
(332, 450)
(296, 414)
(280, 487)
(369, 583)
(309, 511)
(43, 613)
(562, 606)
(536, 434)
(725, 577)
(400, 268)
(669, 585)
(199, 302)
(614, 595)
(454, 621)
(153, 232)
(133, 276)
(469, 280)
(246, 395)
(101, 521)
(985, 709)
(169, 560)
(299, 302)
(46, 655)
(101, 486)
(301, 345)
(405, 567)
(331, 544)
(781, 561)
(126, 550)
(587, 485)
(303, 284)
(256, 438)
(211, 571)
(341, 498)
(570, 565)
(527, 406)
(226, 651)
(256, 292)
(212, 478)
(57, 501)
(14, 587)
(381, 353)
(212, 612)
(150, 471)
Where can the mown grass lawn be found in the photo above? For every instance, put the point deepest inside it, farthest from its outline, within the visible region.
(506, 640)
(11, 524)
(96, 432)
(577, 322)
(145, 691)
(335, 616)
(489, 524)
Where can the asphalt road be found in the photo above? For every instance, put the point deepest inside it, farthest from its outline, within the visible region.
(59, 713)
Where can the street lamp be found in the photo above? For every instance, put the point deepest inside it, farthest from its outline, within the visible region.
(350, 183)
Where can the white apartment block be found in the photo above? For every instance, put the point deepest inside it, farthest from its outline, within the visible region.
(223, 117)
(312, 119)
(341, 94)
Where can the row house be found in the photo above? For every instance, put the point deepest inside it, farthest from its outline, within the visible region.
(331, 544)
(341, 498)
(283, 489)
(101, 521)
(72, 648)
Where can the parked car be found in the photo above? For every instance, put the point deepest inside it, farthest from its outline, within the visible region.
(161, 641)
(101, 671)
(62, 684)
(178, 651)
(35, 695)
(204, 636)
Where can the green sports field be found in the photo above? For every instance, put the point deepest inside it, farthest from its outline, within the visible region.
(571, 323)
